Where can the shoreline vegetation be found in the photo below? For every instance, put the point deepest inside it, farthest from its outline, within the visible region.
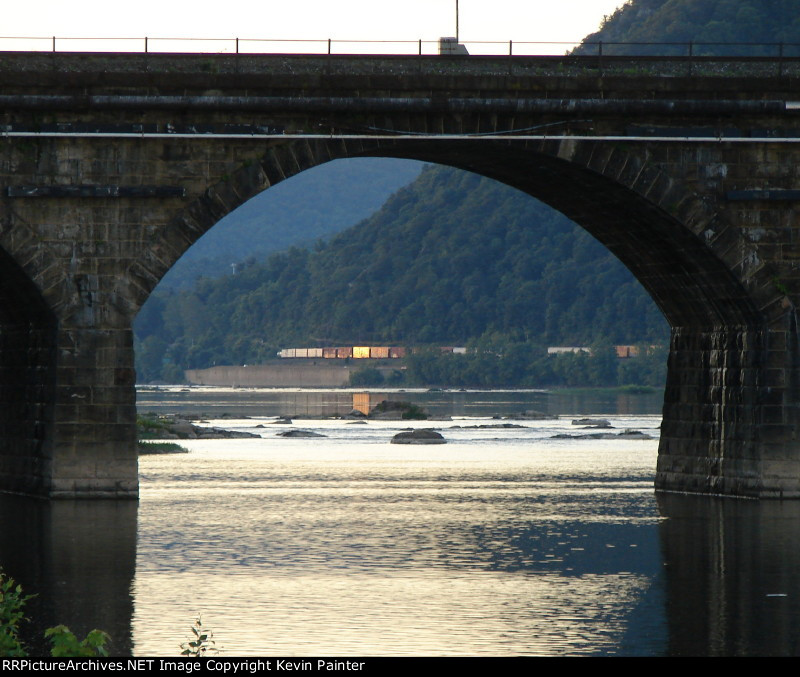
(150, 447)
(155, 431)
(496, 362)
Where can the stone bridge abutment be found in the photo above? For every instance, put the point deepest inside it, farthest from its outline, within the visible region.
(109, 173)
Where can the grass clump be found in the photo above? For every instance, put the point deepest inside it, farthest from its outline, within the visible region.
(146, 447)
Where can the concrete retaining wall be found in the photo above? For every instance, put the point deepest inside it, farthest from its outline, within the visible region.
(265, 375)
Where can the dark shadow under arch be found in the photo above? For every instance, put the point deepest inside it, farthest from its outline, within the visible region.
(27, 381)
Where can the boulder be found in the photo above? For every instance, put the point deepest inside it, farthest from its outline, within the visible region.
(628, 434)
(594, 422)
(300, 433)
(183, 430)
(419, 436)
(355, 413)
(281, 421)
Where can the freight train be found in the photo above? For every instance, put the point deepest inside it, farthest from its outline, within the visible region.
(356, 352)
(392, 352)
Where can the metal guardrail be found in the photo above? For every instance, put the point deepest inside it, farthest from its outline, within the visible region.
(167, 45)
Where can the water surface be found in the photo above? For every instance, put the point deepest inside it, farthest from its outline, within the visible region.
(502, 542)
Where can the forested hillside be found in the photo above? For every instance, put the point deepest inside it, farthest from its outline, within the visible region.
(702, 21)
(449, 259)
(316, 203)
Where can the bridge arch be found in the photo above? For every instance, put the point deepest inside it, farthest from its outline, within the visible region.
(678, 246)
(670, 239)
(114, 167)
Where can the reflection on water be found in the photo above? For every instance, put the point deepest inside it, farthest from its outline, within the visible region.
(309, 402)
(733, 574)
(78, 557)
(501, 542)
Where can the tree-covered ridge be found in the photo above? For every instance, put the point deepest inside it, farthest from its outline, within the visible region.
(316, 203)
(701, 21)
(449, 259)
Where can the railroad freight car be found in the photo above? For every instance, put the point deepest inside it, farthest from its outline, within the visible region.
(343, 352)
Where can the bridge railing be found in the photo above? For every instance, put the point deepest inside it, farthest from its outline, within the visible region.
(600, 49)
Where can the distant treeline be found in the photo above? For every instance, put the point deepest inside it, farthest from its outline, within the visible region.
(492, 361)
(454, 258)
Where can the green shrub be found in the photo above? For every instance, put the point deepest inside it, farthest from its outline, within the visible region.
(11, 603)
(66, 644)
(202, 643)
(63, 642)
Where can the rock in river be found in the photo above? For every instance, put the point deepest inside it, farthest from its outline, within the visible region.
(594, 422)
(300, 433)
(627, 434)
(419, 436)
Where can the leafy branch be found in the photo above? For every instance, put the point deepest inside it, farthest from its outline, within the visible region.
(202, 644)
(63, 642)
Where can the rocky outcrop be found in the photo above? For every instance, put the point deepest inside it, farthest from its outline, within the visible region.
(174, 428)
(593, 422)
(491, 425)
(389, 410)
(420, 436)
(300, 433)
(627, 434)
(529, 415)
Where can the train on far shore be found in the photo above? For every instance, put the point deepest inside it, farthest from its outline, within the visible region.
(357, 352)
(394, 352)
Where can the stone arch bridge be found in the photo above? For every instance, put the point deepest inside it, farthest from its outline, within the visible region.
(112, 165)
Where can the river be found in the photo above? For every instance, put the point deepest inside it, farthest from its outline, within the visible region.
(506, 541)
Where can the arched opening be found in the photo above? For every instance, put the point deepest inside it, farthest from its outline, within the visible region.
(656, 227)
(453, 258)
(689, 281)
